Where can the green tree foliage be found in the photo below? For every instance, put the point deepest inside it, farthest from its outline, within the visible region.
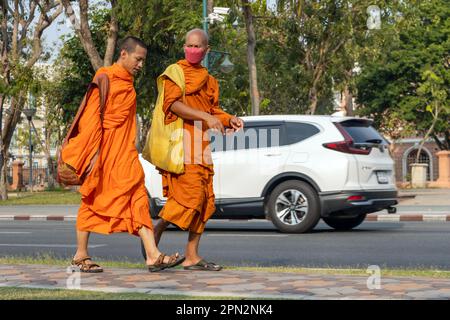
(161, 24)
(22, 24)
(73, 70)
(306, 51)
(411, 77)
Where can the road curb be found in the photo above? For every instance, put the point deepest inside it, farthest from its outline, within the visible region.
(370, 218)
(36, 218)
(408, 217)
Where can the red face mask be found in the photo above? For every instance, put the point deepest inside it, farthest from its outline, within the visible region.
(194, 55)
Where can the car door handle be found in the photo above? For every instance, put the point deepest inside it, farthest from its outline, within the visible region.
(273, 154)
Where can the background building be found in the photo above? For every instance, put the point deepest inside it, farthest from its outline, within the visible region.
(405, 152)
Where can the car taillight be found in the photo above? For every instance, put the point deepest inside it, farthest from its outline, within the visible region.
(355, 198)
(345, 146)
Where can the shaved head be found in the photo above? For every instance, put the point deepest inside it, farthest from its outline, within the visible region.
(132, 54)
(203, 36)
(130, 43)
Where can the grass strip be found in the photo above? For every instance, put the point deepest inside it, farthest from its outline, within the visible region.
(43, 198)
(47, 259)
(17, 293)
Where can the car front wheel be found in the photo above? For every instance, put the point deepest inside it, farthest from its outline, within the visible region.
(344, 223)
(294, 207)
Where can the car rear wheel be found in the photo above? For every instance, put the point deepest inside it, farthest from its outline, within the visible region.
(344, 223)
(294, 207)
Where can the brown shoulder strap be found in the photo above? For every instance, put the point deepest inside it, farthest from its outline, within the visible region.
(102, 83)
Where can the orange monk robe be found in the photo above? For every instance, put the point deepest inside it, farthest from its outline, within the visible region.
(114, 198)
(190, 196)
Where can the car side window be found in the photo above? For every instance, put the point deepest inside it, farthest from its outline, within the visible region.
(252, 137)
(297, 131)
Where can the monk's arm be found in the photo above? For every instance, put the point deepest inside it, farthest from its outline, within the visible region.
(188, 113)
(221, 115)
(225, 118)
(174, 108)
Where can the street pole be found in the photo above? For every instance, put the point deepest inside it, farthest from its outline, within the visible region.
(205, 28)
(29, 113)
(31, 157)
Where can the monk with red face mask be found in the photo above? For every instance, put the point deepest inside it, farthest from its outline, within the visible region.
(114, 198)
(190, 195)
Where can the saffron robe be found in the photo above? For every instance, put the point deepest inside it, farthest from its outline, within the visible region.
(190, 196)
(114, 198)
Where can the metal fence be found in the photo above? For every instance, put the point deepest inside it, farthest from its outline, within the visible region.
(423, 158)
(40, 176)
(9, 175)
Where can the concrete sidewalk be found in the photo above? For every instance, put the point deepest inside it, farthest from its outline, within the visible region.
(418, 205)
(424, 197)
(235, 283)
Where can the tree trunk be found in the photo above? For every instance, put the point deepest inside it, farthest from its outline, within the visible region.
(137, 140)
(112, 36)
(313, 95)
(427, 135)
(84, 33)
(210, 6)
(145, 128)
(312, 100)
(347, 101)
(82, 30)
(438, 142)
(44, 22)
(251, 44)
(10, 123)
(51, 172)
(9, 126)
(3, 159)
(5, 75)
(447, 140)
(20, 42)
(4, 177)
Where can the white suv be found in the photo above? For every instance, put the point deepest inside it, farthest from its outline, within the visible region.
(294, 170)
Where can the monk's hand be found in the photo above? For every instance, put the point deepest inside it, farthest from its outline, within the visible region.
(214, 124)
(236, 123)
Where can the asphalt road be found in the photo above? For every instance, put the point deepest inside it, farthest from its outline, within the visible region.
(254, 243)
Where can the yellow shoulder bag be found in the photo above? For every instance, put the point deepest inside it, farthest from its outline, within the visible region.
(164, 145)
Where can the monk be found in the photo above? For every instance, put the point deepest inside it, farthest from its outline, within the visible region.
(190, 195)
(114, 198)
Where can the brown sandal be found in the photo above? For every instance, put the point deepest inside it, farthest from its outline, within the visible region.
(159, 264)
(205, 266)
(83, 266)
